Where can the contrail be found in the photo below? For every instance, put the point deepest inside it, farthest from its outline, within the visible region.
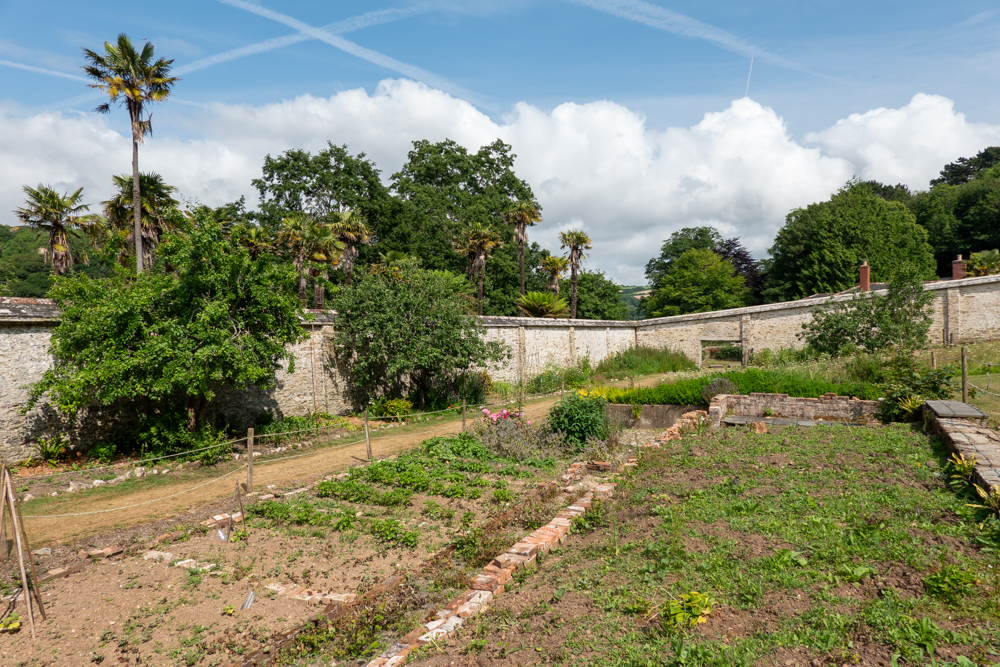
(365, 20)
(357, 50)
(679, 24)
(42, 70)
(749, 74)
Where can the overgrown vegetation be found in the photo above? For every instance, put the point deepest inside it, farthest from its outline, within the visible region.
(159, 347)
(689, 391)
(732, 549)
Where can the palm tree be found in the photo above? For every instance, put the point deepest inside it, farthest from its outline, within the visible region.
(253, 238)
(155, 204)
(985, 262)
(477, 243)
(135, 80)
(324, 250)
(522, 214)
(543, 304)
(294, 234)
(577, 241)
(554, 266)
(392, 264)
(351, 230)
(57, 214)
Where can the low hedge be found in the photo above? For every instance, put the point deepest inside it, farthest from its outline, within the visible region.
(751, 380)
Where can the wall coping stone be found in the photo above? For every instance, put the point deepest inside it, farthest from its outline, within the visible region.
(14, 309)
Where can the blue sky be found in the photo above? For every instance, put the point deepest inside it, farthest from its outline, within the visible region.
(530, 70)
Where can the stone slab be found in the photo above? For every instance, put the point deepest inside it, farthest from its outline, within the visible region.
(955, 409)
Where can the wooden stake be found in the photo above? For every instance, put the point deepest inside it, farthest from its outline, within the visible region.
(368, 440)
(249, 460)
(463, 414)
(8, 490)
(965, 378)
(31, 561)
(933, 361)
(4, 547)
(243, 516)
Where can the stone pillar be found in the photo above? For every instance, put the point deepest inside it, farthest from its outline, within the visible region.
(521, 353)
(952, 316)
(745, 338)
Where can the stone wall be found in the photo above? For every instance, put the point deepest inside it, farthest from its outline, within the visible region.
(966, 310)
(828, 407)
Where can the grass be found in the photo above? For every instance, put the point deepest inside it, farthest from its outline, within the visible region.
(688, 391)
(644, 360)
(829, 545)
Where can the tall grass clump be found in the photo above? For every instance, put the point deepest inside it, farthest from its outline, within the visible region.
(645, 360)
(751, 380)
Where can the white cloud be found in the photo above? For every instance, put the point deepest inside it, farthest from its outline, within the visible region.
(908, 145)
(597, 165)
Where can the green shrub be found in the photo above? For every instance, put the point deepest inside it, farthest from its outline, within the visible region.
(578, 418)
(782, 357)
(358, 492)
(907, 384)
(554, 378)
(645, 360)
(396, 408)
(750, 380)
(730, 353)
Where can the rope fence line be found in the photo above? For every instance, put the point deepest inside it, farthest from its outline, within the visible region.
(128, 507)
(216, 479)
(140, 462)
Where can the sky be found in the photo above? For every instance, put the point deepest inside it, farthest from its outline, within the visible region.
(630, 119)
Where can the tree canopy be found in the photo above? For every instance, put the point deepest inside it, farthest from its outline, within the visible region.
(426, 327)
(698, 281)
(174, 338)
(821, 246)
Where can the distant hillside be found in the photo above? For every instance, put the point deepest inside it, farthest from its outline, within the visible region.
(631, 295)
(23, 269)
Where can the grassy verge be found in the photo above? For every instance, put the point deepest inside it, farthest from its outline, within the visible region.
(688, 391)
(804, 546)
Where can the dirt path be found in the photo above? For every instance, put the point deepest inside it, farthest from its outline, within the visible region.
(298, 471)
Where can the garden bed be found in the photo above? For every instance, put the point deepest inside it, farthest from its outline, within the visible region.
(336, 539)
(821, 546)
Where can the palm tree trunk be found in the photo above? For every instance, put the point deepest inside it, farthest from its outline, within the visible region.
(302, 287)
(136, 202)
(482, 274)
(573, 282)
(319, 291)
(521, 253)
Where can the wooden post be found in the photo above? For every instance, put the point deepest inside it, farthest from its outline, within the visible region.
(463, 414)
(933, 360)
(965, 378)
(249, 460)
(8, 490)
(368, 440)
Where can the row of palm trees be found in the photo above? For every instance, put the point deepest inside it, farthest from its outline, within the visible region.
(478, 242)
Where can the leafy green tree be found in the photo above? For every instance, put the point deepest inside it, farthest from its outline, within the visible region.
(398, 331)
(321, 185)
(134, 79)
(821, 246)
(878, 323)
(171, 340)
(688, 238)
(59, 215)
(598, 298)
(576, 240)
(698, 281)
(961, 219)
(441, 189)
(965, 169)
